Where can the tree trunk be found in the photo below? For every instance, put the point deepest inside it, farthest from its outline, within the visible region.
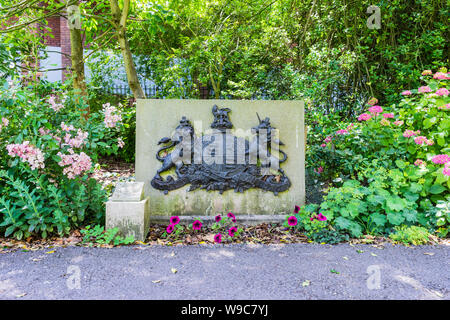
(76, 49)
(133, 80)
(120, 17)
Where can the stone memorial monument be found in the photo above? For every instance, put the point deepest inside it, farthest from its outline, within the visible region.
(203, 157)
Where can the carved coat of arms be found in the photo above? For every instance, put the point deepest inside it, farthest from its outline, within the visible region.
(221, 160)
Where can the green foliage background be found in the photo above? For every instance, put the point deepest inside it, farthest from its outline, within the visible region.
(320, 50)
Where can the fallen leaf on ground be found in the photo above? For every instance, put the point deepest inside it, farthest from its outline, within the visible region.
(156, 281)
(21, 295)
(48, 252)
(345, 258)
(429, 253)
(306, 283)
(174, 270)
(209, 237)
(438, 293)
(373, 254)
(334, 271)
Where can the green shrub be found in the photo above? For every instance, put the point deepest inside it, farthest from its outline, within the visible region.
(98, 235)
(392, 167)
(411, 235)
(315, 225)
(48, 149)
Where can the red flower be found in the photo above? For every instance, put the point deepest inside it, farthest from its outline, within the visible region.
(296, 209)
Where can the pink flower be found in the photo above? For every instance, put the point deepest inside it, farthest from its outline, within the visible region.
(66, 128)
(406, 93)
(427, 73)
(385, 122)
(446, 170)
(445, 107)
(388, 115)
(419, 162)
(350, 126)
(5, 123)
(364, 117)
(53, 105)
(296, 209)
(27, 153)
(372, 101)
(120, 143)
(232, 216)
(321, 217)
(197, 225)
(420, 140)
(440, 159)
(74, 164)
(77, 141)
(232, 231)
(44, 131)
(398, 123)
(424, 89)
(319, 170)
(170, 228)
(323, 145)
(429, 142)
(442, 92)
(327, 139)
(218, 238)
(410, 133)
(292, 221)
(440, 76)
(375, 110)
(218, 218)
(342, 132)
(174, 220)
(112, 115)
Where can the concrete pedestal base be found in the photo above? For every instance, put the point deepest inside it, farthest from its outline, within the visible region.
(129, 212)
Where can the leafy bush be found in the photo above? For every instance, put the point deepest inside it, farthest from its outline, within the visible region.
(393, 167)
(411, 235)
(315, 226)
(48, 148)
(98, 235)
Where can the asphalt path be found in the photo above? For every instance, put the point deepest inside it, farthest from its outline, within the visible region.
(241, 271)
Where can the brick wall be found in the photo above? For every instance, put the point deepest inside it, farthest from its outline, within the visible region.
(65, 45)
(54, 24)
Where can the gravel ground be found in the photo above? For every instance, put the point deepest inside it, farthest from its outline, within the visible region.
(285, 271)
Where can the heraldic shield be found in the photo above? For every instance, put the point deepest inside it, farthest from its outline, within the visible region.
(220, 160)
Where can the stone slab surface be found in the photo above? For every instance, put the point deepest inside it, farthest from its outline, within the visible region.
(128, 192)
(158, 118)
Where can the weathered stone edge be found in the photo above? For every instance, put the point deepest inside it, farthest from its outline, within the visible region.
(243, 219)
